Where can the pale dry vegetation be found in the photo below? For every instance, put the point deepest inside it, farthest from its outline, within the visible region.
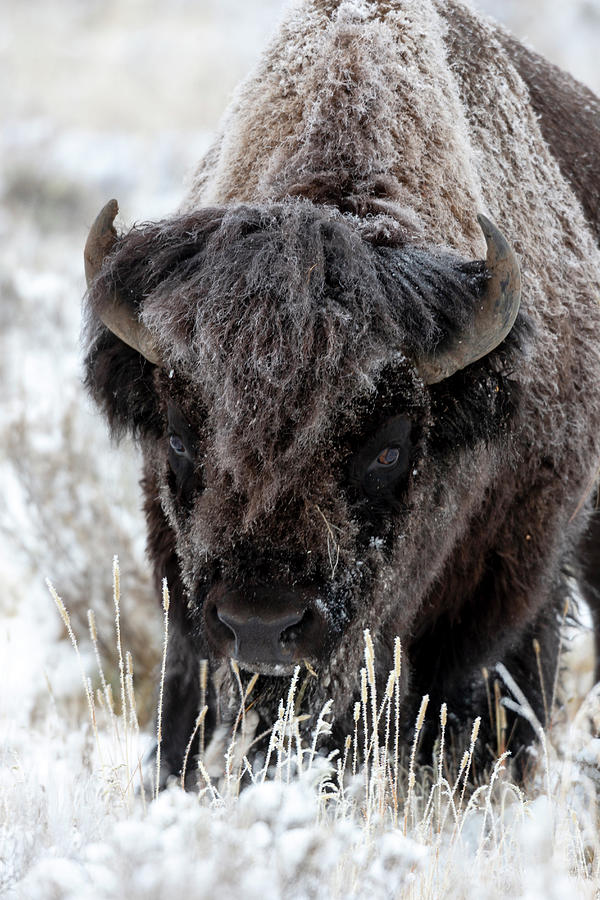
(316, 821)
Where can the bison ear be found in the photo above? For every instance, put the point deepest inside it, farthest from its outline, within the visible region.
(116, 312)
(495, 313)
(122, 384)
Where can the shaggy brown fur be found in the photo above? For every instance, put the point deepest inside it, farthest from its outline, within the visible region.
(331, 237)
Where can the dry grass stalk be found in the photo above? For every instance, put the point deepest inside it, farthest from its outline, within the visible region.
(290, 719)
(333, 547)
(106, 688)
(86, 685)
(203, 674)
(322, 727)
(132, 710)
(443, 721)
(233, 779)
(370, 665)
(467, 763)
(355, 742)
(538, 658)
(413, 752)
(488, 813)
(117, 605)
(558, 661)
(486, 680)
(500, 720)
(397, 699)
(208, 781)
(273, 739)
(389, 694)
(166, 603)
(199, 721)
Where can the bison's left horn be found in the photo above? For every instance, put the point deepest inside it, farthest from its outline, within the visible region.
(494, 317)
(118, 315)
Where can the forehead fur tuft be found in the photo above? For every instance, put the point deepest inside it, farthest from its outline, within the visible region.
(278, 314)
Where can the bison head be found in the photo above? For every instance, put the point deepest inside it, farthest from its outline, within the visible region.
(301, 393)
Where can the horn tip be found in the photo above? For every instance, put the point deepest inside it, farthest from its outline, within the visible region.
(497, 244)
(109, 212)
(486, 225)
(100, 239)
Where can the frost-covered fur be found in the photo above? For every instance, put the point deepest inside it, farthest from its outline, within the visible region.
(331, 237)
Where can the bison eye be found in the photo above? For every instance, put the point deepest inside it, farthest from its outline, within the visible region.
(177, 444)
(380, 469)
(388, 458)
(184, 475)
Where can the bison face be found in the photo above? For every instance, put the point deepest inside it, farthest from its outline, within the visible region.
(276, 560)
(289, 382)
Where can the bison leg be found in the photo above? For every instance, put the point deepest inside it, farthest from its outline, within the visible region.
(182, 694)
(180, 708)
(531, 659)
(532, 664)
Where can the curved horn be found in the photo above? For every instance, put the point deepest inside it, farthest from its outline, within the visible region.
(494, 317)
(118, 315)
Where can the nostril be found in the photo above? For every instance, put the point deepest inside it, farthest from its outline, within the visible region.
(294, 632)
(218, 625)
(223, 621)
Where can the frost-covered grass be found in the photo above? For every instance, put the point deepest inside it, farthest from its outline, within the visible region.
(81, 818)
(118, 99)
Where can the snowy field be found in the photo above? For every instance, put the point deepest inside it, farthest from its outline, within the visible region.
(119, 99)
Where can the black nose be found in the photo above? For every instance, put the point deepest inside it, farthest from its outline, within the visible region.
(264, 626)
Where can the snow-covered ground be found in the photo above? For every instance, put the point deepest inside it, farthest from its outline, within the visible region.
(119, 99)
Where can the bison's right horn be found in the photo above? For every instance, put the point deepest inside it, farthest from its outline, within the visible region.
(118, 315)
(494, 316)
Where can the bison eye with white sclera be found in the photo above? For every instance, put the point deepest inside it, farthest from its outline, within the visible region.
(177, 444)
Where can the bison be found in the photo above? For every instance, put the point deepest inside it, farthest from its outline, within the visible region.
(362, 363)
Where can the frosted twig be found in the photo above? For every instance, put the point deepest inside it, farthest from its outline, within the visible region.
(117, 602)
(199, 719)
(166, 603)
(411, 770)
